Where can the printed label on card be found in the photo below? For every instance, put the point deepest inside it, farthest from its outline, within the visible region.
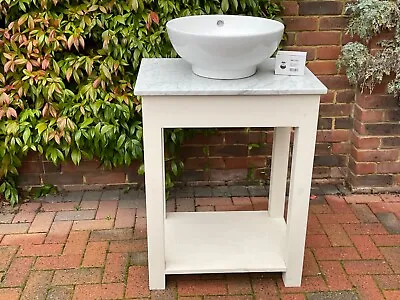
(290, 63)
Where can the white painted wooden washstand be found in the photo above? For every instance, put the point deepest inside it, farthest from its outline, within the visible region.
(240, 241)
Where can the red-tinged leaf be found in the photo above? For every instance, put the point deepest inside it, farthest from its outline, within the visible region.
(45, 110)
(23, 19)
(29, 66)
(2, 113)
(70, 41)
(20, 91)
(7, 66)
(82, 42)
(76, 43)
(148, 24)
(11, 25)
(11, 112)
(8, 56)
(45, 64)
(57, 139)
(31, 23)
(96, 82)
(154, 17)
(68, 74)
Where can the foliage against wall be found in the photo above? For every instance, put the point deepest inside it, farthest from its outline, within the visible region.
(369, 18)
(67, 72)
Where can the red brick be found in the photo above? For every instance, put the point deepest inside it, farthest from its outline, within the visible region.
(318, 38)
(10, 293)
(368, 115)
(42, 222)
(332, 23)
(338, 204)
(290, 8)
(60, 292)
(205, 208)
(6, 255)
(335, 82)
(366, 287)
(365, 267)
(293, 297)
(328, 97)
(62, 206)
(392, 295)
(58, 262)
(386, 240)
(14, 228)
(317, 241)
(105, 177)
(324, 67)
(140, 231)
(59, 232)
(259, 203)
(364, 228)
(362, 168)
(18, 271)
(392, 256)
(300, 23)
(333, 135)
(310, 266)
(363, 198)
(30, 207)
(95, 254)
(201, 287)
(115, 267)
(337, 218)
(375, 155)
(107, 209)
(321, 209)
(138, 282)
(89, 204)
(213, 201)
(77, 276)
(37, 285)
(40, 250)
(335, 276)
(76, 243)
(93, 224)
(125, 218)
(328, 52)
(185, 204)
(128, 246)
(23, 239)
(265, 287)
(388, 281)
(336, 253)
(365, 142)
(99, 291)
(390, 197)
(24, 217)
(320, 8)
(336, 234)
(382, 207)
(364, 214)
(238, 284)
(308, 284)
(313, 225)
(366, 247)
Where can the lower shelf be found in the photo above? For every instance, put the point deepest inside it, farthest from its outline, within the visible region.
(224, 242)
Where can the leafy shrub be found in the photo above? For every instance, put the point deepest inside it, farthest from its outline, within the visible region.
(68, 70)
(369, 18)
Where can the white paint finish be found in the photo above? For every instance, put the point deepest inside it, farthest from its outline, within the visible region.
(229, 111)
(279, 169)
(299, 195)
(224, 46)
(153, 139)
(175, 77)
(224, 242)
(220, 240)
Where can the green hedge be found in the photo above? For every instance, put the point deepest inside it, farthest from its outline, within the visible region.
(67, 73)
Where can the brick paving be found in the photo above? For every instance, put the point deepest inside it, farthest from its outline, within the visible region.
(92, 245)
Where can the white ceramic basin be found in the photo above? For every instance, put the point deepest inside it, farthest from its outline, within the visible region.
(224, 46)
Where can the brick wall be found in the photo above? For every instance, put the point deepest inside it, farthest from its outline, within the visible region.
(358, 137)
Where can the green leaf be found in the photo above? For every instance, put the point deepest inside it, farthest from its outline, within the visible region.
(76, 156)
(225, 5)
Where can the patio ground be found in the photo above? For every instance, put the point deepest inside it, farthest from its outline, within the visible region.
(92, 245)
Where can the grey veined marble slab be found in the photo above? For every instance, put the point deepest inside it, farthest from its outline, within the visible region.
(173, 76)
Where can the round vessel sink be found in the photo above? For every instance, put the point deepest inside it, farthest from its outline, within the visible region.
(224, 46)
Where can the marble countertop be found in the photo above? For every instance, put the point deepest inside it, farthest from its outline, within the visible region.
(173, 76)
